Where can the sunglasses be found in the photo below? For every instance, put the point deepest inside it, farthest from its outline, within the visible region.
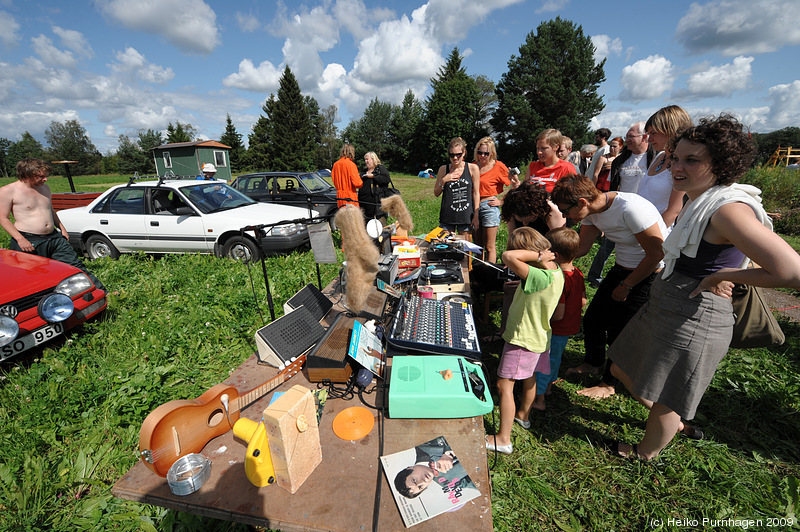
(484, 153)
(565, 211)
(456, 155)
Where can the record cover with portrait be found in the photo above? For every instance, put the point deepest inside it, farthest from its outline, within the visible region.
(427, 480)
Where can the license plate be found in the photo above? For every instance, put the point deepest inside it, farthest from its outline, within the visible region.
(39, 336)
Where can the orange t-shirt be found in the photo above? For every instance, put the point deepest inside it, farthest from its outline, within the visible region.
(346, 180)
(493, 180)
(548, 176)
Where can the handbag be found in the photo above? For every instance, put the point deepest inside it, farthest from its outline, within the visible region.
(754, 324)
(387, 192)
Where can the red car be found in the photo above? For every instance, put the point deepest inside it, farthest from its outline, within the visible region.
(41, 299)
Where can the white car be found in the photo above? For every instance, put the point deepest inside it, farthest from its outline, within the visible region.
(184, 216)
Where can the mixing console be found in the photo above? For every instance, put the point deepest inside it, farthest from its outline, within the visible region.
(435, 327)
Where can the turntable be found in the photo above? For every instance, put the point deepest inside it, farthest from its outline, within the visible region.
(443, 277)
(445, 251)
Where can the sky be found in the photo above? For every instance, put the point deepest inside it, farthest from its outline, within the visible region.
(120, 66)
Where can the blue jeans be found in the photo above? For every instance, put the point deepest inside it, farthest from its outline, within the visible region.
(558, 344)
(596, 270)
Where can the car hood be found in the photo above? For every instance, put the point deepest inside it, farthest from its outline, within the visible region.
(23, 274)
(261, 213)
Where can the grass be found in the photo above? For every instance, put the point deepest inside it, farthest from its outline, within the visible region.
(177, 325)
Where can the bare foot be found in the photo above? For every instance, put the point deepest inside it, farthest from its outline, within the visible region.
(547, 391)
(584, 368)
(601, 391)
(538, 403)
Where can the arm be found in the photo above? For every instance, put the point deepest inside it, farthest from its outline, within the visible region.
(6, 204)
(517, 260)
(598, 168)
(381, 175)
(558, 314)
(588, 235)
(555, 219)
(779, 263)
(441, 179)
(673, 208)
(354, 176)
(651, 241)
(475, 172)
(57, 223)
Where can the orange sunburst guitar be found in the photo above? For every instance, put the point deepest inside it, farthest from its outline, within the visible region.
(182, 427)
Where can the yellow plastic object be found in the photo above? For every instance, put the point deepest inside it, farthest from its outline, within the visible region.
(257, 461)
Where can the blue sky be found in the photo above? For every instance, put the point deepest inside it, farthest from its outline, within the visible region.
(118, 66)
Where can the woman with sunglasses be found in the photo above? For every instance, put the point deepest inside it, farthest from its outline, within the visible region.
(459, 185)
(494, 177)
(636, 228)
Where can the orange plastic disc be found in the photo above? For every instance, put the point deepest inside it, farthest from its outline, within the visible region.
(353, 423)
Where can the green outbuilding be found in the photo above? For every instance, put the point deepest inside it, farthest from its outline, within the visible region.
(188, 158)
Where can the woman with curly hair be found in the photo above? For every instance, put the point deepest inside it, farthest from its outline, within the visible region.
(667, 354)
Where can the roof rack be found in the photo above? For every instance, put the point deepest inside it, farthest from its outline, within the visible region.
(168, 176)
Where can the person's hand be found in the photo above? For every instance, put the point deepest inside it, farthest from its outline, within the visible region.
(494, 202)
(546, 255)
(65, 234)
(720, 288)
(445, 463)
(25, 245)
(620, 293)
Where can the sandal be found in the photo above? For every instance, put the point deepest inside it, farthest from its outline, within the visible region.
(633, 454)
(692, 432)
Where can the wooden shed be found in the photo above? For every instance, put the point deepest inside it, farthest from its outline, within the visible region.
(187, 158)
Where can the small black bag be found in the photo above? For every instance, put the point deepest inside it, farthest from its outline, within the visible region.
(754, 324)
(387, 192)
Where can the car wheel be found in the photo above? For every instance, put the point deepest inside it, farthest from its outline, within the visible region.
(241, 248)
(98, 246)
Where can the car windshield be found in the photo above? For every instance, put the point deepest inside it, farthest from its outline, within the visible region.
(314, 183)
(211, 197)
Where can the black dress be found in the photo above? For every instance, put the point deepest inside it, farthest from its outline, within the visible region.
(369, 195)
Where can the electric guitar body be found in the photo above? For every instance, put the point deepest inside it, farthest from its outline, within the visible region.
(182, 427)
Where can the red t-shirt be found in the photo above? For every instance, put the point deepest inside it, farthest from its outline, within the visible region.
(549, 175)
(574, 290)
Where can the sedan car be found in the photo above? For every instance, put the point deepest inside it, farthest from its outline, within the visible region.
(300, 189)
(41, 299)
(184, 216)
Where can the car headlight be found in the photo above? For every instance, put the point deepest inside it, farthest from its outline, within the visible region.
(9, 329)
(286, 230)
(72, 286)
(55, 308)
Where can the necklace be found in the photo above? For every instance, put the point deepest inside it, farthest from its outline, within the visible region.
(661, 163)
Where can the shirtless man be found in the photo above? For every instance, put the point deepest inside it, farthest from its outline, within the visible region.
(36, 228)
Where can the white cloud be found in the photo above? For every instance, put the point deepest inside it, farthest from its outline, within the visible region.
(191, 25)
(110, 131)
(605, 46)
(263, 79)
(248, 23)
(75, 41)
(784, 109)
(8, 29)
(448, 19)
(736, 27)
(646, 79)
(721, 80)
(551, 6)
(132, 63)
(50, 55)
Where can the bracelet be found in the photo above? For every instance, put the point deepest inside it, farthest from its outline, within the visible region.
(626, 287)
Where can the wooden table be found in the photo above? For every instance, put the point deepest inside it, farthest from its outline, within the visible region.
(342, 492)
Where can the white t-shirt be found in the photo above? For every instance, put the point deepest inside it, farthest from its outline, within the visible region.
(628, 215)
(632, 171)
(658, 187)
(596, 159)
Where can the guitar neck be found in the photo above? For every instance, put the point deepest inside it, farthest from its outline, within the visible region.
(254, 394)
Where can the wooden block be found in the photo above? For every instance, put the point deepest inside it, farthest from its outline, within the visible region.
(291, 422)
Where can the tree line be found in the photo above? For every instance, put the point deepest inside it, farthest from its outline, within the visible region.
(552, 82)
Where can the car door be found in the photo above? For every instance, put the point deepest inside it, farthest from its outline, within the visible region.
(173, 226)
(121, 218)
(290, 191)
(255, 187)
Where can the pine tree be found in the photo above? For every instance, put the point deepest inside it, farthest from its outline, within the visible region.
(451, 110)
(180, 132)
(291, 125)
(403, 152)
(552, 83)
(233, 139)
(371, 131)
(149, 139)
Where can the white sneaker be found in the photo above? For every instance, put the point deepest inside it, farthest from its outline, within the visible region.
(505, 449)
(524, 424)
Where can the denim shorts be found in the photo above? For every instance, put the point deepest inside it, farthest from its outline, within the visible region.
(488, 215)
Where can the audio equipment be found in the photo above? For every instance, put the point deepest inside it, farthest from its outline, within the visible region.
(445, 251)
(443, 277)
(328, 359)
(288, 337)
(437, 387)
(388, 266)
(374, 305)
(434, 327)
(310, 297)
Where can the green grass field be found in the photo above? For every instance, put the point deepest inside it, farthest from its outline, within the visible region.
(177, 325)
